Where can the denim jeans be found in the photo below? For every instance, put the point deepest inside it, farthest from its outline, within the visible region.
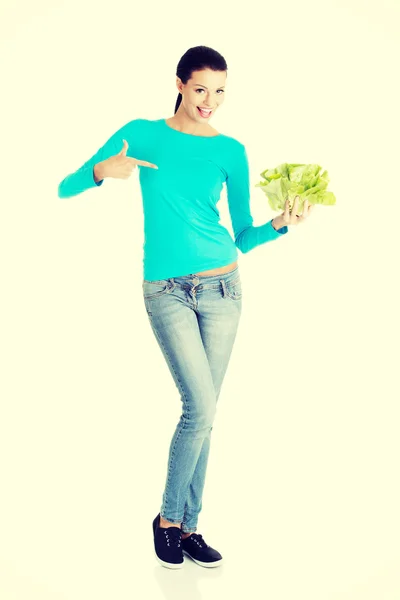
(194, 319)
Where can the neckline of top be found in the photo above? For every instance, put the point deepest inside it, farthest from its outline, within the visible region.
(204, 137)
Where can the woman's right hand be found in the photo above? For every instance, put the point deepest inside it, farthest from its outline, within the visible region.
(120, 166)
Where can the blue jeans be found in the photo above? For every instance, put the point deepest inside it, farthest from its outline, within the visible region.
(194, 319)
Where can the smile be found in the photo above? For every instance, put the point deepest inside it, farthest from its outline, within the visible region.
(204, 112)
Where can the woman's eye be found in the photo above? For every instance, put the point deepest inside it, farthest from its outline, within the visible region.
(201, 90)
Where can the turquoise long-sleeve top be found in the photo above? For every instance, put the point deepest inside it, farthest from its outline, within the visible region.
(182, 230)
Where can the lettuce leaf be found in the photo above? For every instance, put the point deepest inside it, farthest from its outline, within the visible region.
(289, 180)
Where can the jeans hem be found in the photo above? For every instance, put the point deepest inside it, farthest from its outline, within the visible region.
(175, 521)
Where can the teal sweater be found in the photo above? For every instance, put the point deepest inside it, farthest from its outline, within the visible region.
(182, 232)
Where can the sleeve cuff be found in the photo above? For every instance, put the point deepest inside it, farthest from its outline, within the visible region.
(98, 183)
(280, 231)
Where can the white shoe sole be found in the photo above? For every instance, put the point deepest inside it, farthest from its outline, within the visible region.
(216, 563)
(167, 564)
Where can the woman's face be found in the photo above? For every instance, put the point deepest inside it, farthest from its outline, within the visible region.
(205, 89)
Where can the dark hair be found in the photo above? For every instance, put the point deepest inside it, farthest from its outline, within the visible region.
(197, 59)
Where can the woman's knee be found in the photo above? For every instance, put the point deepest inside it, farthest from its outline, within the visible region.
(201, 417)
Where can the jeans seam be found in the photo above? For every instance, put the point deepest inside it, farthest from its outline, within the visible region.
(182, 427)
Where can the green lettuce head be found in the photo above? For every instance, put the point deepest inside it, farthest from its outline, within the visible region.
(290, 180)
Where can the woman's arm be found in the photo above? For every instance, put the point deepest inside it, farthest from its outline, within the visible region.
(247, 235)
(90, 174)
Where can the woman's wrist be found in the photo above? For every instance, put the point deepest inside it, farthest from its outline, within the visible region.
(277, 223)
(98, 174)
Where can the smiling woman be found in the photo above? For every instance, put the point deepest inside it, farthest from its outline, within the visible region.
(192, 288)
(193, 315)
(201, 89)
(206, 111)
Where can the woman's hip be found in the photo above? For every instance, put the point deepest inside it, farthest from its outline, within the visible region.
(203, 293)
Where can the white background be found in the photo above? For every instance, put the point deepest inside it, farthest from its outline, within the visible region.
(302, 493)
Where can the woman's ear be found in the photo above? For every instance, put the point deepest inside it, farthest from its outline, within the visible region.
(179, 84)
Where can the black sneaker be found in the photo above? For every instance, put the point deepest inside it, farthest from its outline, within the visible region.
(202, 554)
(167, 545)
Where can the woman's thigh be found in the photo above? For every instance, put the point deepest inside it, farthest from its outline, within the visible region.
(195, 321)
(218, 324)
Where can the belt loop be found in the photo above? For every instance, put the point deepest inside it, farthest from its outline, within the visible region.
(222, 281)
(172, 283)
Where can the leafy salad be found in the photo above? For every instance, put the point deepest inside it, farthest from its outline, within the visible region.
(289, 180)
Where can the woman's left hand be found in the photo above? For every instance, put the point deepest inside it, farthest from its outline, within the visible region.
(293, 218)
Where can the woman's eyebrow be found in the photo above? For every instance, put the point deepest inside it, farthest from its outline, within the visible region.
(199, 84)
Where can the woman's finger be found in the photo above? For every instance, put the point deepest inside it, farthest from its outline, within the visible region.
(287, 213)
(145, 163)
(304, 214)
(294, 214)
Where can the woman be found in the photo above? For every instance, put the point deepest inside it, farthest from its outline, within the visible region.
(191, 283)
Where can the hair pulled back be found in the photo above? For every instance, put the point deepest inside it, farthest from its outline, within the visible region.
(197, 59)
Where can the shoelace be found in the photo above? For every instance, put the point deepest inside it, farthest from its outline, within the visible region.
(198, 539)
(173, 536)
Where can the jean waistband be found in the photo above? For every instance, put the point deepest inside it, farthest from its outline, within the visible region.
(206, 278)
(194, 279)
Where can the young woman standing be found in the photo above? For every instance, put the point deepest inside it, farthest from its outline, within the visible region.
(191, 283)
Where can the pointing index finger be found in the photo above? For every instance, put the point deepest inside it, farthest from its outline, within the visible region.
(145, 163)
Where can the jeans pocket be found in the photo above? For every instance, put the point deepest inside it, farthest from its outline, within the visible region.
(154, 289)
(234, 289)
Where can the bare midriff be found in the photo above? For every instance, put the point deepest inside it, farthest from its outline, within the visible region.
(219, 270)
